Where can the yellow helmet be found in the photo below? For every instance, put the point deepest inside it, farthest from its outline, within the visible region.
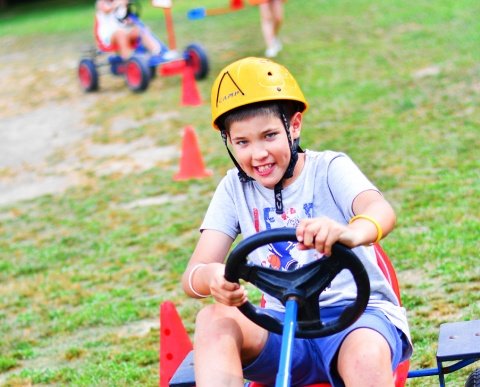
(251, 80)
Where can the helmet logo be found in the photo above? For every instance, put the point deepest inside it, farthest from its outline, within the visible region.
(230, 89)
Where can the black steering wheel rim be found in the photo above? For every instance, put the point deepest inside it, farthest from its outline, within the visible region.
(304, 284)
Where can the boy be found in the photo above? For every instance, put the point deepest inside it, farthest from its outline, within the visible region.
(257, 106)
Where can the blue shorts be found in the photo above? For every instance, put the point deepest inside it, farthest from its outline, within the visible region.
(312, 359)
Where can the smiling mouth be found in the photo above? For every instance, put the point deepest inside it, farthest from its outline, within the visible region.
(264, 169)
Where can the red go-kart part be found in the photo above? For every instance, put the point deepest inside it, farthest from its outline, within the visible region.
(88, 75)
(137, 74)
(196, 57)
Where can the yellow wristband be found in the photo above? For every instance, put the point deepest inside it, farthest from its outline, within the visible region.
(369, 218)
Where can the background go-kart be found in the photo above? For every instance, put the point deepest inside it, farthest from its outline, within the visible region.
(95, 233)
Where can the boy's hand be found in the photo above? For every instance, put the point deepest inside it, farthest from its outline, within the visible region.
(228, 293)
(321, 233)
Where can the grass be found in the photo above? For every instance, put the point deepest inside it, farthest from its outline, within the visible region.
(393, 84)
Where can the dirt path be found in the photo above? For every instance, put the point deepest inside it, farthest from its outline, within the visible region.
(46, 144)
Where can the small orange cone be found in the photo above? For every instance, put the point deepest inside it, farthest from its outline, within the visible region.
(190, 94)
(236, 4)
(175, 343)
(191, 163)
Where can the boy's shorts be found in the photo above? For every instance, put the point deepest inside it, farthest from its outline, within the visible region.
(312, 359)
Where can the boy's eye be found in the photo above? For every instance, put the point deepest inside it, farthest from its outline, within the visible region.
(271, 134)
(240, 142)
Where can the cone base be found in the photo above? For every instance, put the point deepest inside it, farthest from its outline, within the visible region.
(175, 343)
(184, 176)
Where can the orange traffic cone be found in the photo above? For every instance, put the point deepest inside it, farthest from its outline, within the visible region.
(191, 163)
(190, 94)
(175, 343)
(236, 4)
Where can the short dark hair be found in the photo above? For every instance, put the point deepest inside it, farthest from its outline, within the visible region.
(268, 108)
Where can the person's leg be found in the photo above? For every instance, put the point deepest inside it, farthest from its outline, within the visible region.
(276, 7)
(364, 359)
(271, 15)
(150, 43)
(122, 40)
(368, 350)
(126, 39)
(267, 23)
(224, 339)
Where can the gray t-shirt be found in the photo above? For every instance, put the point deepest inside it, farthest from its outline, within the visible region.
(327, 186)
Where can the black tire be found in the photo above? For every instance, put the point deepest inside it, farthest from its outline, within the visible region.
(196, 57)
(137, 74)
(474, 379)
(153, 72)
(88, 75)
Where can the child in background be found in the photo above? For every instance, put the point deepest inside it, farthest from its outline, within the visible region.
(257, 106)
(271, 19)
(121, 33)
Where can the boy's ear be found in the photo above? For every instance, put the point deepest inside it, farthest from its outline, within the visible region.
(296, 125)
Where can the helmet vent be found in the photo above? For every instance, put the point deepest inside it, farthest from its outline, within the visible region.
(269, 73)
(279, 89)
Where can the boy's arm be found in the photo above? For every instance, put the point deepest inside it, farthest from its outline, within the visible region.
(375, 208)
(373, 219)
(205, 271)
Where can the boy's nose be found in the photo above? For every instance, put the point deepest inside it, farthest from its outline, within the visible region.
(259, 152)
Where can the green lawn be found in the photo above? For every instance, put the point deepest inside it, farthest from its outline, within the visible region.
(394, 84)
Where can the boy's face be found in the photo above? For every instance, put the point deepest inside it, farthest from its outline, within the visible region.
(261, 146)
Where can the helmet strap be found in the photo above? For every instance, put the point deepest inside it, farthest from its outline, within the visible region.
(277, 192)
(294, 150)
(241, 173)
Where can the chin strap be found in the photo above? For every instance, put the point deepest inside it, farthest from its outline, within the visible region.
(294, 150)
(241, 173)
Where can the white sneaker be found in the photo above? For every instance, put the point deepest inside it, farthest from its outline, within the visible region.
(271, 52)
(171, 55)
(278, 44)
(274, 49)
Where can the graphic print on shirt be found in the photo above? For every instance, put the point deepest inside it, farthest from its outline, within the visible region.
(280, 256)
(283, 255)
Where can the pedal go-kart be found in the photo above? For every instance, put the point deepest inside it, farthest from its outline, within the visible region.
(142, 67)
(298, 290)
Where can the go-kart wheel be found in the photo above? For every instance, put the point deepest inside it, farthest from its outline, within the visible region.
(153, 72)
(196, 57)
(474, 379)
(137, 74)
(88, 75)
(305, 284)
